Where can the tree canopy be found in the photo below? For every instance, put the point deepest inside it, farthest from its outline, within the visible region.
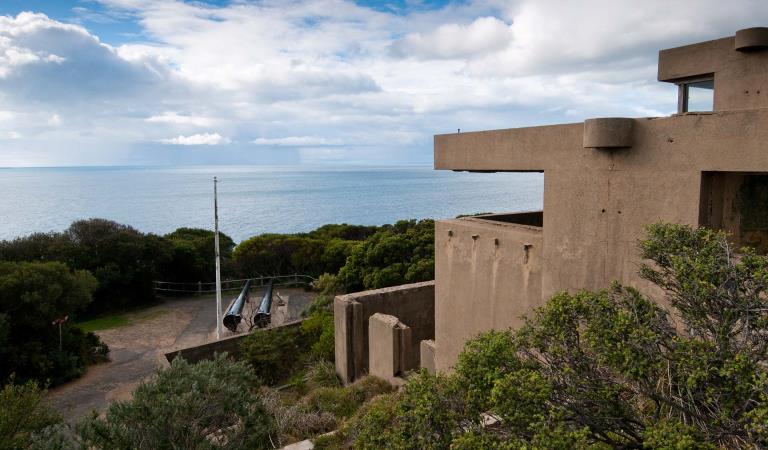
(32, 296)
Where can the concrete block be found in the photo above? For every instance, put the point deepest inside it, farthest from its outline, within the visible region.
(427, 355)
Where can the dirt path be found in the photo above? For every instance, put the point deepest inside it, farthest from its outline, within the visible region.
(138, 349)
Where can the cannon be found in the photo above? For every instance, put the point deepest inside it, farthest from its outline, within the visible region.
(263, 316)
(235, 312)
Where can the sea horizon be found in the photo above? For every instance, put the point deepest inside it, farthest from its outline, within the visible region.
(253, 199)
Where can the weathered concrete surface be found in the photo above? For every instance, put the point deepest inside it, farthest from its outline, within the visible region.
(412, 304)
(427, 361)
(608, 133)
(230, 345)
(740, 76)
(390, 350)
(487, 275)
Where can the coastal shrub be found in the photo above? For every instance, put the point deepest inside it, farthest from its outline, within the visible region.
(396, 254)
(275, 354)
(292, 421)
(23, 413)
(210, 404)
(192, 256)
(32, 296)
(318, 328)
(608, 369)
(322, 374)
(123, 260)
(327, 284)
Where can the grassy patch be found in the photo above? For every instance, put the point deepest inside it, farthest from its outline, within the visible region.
(104, 323)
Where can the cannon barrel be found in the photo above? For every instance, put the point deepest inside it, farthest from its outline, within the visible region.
(235, 312)
(263, 315)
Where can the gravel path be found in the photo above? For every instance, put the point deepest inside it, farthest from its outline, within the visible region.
(138, 349)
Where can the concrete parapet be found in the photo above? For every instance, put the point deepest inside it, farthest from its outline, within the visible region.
(230, 345)
(610, 132)
(389, 348)
(414, 306)
(427, 354)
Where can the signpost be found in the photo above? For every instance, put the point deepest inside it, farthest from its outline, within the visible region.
(59, 322)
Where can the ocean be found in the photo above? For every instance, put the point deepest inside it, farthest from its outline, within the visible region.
(252, 199)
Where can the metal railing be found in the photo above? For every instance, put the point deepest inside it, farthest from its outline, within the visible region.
(209, 287)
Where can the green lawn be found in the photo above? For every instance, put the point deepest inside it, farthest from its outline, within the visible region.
(104, 323)
(118, 320)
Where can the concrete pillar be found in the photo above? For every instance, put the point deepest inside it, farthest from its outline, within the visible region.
(427, 355)
(389, 347)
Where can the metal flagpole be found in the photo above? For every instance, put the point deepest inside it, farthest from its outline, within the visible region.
(218, 261)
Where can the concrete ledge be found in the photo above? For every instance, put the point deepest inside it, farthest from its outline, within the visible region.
(413, 304)
(230, 345)
(610, 132)
(750, 39)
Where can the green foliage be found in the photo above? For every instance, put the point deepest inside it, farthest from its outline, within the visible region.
(318, 327)
(32, 296)
(280, 254)
(211, 404)
(397, 254)
(609, 369)
(23, 414)
(322, 374)
(275, 353)
(327, 284)
(192, 255)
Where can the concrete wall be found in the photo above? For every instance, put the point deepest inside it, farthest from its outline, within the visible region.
(412, 304)
(230, 345)
(487, 275)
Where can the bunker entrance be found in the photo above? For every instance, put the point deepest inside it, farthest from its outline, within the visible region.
(736, 202)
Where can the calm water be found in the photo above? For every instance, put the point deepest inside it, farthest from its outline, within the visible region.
(252, 199)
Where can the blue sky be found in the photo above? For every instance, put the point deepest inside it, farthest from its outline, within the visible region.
(101, 82)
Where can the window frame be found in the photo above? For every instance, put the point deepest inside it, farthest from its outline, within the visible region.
(682, 93)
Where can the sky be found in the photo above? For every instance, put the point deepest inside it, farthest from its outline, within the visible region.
(159, 82)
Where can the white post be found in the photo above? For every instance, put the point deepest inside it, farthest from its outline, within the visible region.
(218, 262)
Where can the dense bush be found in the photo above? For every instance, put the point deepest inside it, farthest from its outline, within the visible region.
(279, 353)
(32, 296)
(608, 369)
(23, 414)
(124, 261)
(397, 254)
(192, 255)
(275, 354)
(211, 404)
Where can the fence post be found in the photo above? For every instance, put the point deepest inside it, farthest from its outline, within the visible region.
(199, 288)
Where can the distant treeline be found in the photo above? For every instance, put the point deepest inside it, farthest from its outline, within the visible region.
(98, 266)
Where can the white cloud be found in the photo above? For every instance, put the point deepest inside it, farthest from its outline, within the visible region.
(452, 41)
(330, 79)
(177, 119)
(298, 141)
(197, 139)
